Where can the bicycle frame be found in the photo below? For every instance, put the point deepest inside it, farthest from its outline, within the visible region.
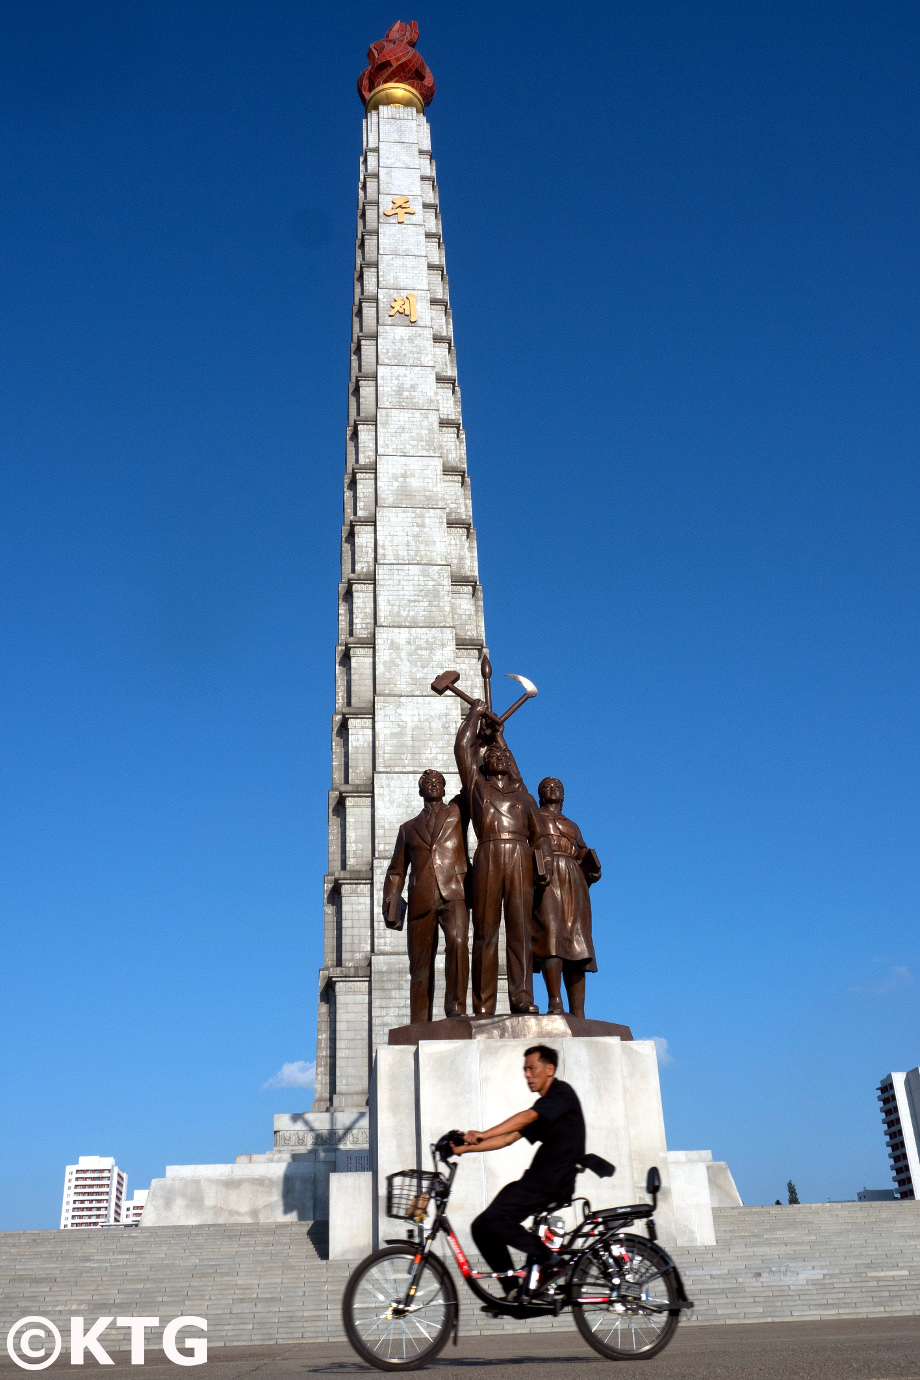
(575, 1244)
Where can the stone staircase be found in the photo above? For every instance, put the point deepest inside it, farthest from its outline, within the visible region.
(254, 1283)
(269, 1283)
(814, 1260)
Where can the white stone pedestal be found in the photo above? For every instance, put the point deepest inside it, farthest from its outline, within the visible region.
(418, 1093)
(289, 1183)
(351, 1216)
(318, 1167)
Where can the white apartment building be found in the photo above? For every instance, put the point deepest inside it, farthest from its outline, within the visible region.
(94, 1193)
(134, 1207)
(899, 1096)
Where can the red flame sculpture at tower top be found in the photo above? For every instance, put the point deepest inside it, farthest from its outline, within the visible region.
(394, 59)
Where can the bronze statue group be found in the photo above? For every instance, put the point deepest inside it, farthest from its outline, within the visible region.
(530, 860)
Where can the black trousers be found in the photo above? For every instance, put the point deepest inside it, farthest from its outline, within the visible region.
(500, 1225)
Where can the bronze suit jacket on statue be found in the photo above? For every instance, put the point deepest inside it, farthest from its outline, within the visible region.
(438, 861)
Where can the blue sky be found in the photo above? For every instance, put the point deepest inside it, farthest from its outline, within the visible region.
(681, 241)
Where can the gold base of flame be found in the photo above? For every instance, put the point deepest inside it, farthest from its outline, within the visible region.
(395, 93)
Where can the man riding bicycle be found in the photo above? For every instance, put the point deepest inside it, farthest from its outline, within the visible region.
(401, 1306)
(556, 1120)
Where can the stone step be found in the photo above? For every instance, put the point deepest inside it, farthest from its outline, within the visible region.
(267, 1283)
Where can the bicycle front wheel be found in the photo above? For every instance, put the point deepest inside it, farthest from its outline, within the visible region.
(624, 1298)
(388, 1329)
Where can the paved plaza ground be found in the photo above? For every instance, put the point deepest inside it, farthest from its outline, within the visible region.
(858, 1349)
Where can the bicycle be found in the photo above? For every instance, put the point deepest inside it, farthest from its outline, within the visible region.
(401, 1306)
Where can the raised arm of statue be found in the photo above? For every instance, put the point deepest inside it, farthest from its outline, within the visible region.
(467, 746)
(499, 741)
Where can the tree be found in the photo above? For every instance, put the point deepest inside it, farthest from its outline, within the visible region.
(793, 1196)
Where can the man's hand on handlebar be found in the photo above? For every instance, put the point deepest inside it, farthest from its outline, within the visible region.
(471, 1141)
(496, 1138)
(448, 1145)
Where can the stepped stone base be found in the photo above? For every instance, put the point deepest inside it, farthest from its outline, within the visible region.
(289, 1183)
(537, 1028)
(266, 1284)
(292, 1189)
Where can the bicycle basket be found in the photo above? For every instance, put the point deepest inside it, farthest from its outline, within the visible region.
(409, 1192)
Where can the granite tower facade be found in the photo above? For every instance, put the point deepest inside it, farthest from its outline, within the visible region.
(410, 602)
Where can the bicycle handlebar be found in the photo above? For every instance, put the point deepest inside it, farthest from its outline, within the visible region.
(442, 1150)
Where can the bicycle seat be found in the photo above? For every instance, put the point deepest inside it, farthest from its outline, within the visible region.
(626, 1210)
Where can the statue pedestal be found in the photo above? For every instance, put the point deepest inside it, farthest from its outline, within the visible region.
(420, 1091)
(536, 1029)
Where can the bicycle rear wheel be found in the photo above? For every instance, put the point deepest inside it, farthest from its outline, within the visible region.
(620, 1292)
(386, 1329)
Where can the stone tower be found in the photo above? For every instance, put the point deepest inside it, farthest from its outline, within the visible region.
(410, 603)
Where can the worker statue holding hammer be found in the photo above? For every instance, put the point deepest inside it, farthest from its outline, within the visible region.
(514, 844)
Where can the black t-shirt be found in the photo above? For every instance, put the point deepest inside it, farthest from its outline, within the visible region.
(560, 1125)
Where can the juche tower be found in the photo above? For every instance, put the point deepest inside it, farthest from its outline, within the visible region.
(410, 608)
(410, 602)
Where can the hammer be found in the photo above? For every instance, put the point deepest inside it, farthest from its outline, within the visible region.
(447, 680)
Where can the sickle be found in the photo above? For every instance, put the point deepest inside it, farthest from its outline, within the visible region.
(529, 691)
